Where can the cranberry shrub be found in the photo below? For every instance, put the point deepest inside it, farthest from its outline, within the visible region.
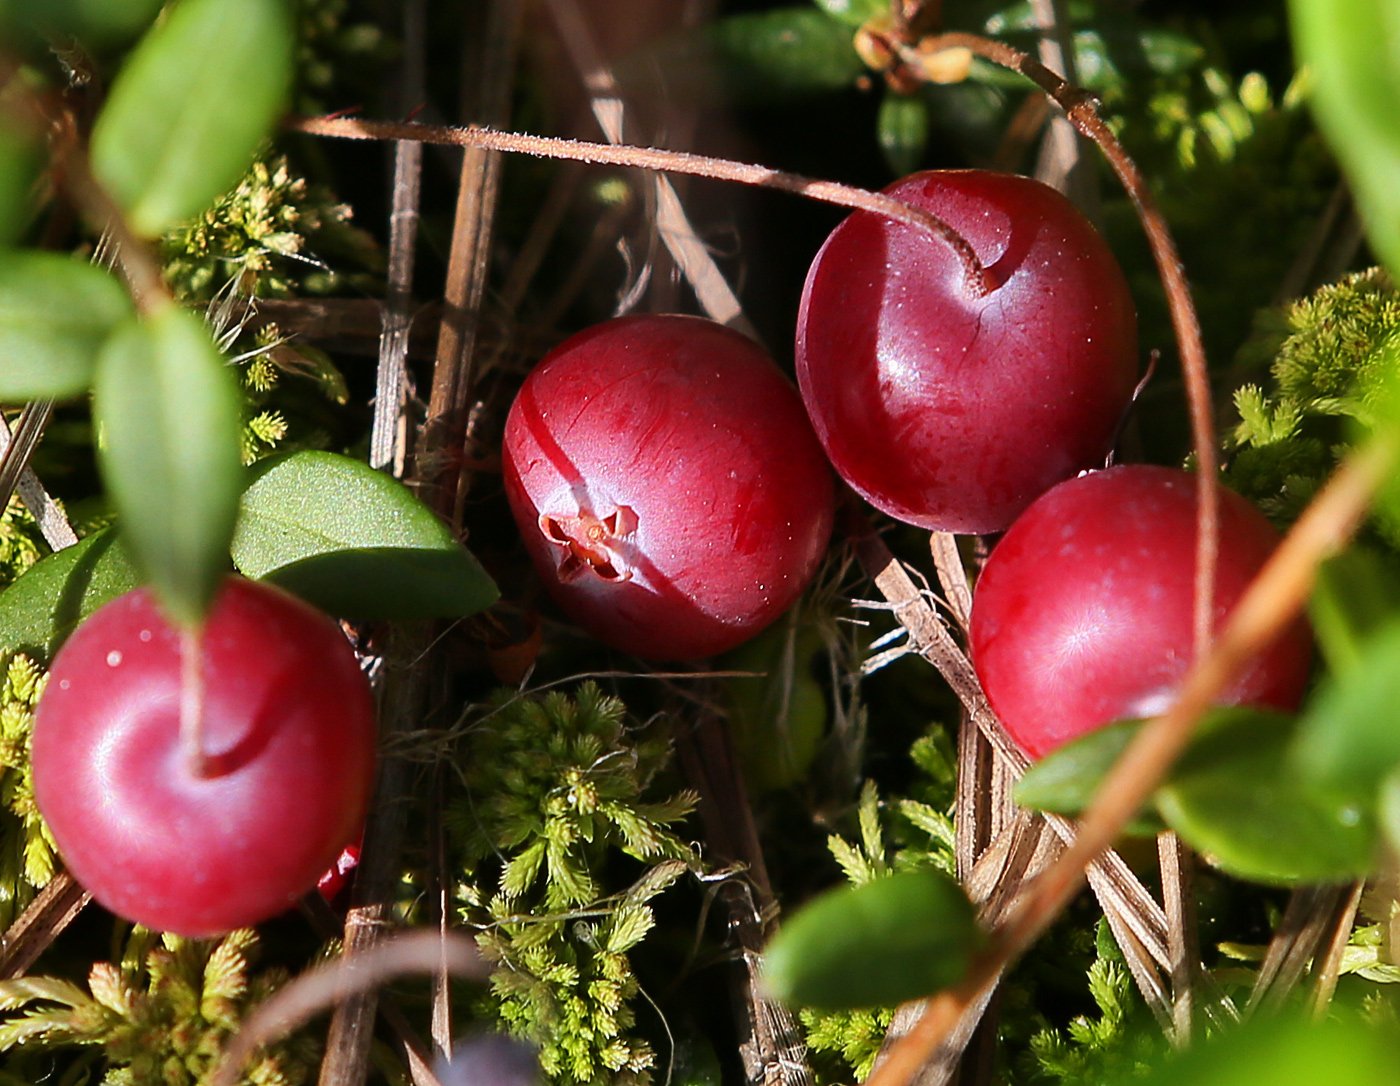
(663, 494)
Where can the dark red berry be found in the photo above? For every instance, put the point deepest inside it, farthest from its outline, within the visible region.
(289, 737)
(667, 484)
(951, 410)
(1083, 613)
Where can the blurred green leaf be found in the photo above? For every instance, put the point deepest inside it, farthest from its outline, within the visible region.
(191, 105)
(1348, 741)
(902, 128)
(1351, 48)
(170, 418)
(1065, 780)
(874, 945)
(19, 167)
(354, 541)
(756, 58)
(1238, 797)
(93, 22)
(1355, 593)
(1286, 1051)
(55, 314)
(41, 608)
(855, 13)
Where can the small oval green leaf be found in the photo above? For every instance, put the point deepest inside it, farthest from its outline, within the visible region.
(1286, 1051)
(169, 413)
(1355, 592)
(1237, 797)
(93, 22)
(1348, 741)
(855, 13)
(354, 542)
(186, 113)
(902, 128)
(41, 608)
(879, 944)
(1356, 84)
(19, 165)
(55, 314)
(1065, 780)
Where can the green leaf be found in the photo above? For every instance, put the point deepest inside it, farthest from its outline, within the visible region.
(93, 22)
(41, 608)
(354, 542)
(902, 128)
(855, 13)
(1286, 1051)
(879, 944)
(1238, 797)
(169, 412)
(1355, 592)
(1065, 780)
(755, 58)
(1347, 738)
(1388, 810)
(1353, 50)
(55, 314)
(19, 165)
(186, 113)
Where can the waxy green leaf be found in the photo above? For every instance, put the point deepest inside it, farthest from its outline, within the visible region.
(92, 22)
(170, 418)
(41, 608)
(1354, 593)
(1350, 48)
(874, 945)
(1348, 741)
(1065, 780)
(1238, 796)
(186, 113)
(55, 314)
(354, 542)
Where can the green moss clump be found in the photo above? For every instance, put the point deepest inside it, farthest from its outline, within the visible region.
(556, 791)
(161, 1015)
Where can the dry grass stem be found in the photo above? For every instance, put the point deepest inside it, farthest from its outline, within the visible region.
(316, 990)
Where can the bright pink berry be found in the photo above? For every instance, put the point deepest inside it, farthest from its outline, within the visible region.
(288, 731)
(1083, 613)
(667, 484)
(949, 410)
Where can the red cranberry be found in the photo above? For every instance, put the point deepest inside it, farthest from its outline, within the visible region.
(955, 411)
(667, 484)
(1083, 614)
(289, 738)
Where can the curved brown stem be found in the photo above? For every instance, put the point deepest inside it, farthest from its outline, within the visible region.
(1272, 600)
(655, 158)
(1081, 107)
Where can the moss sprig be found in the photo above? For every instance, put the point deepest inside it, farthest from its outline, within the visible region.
(1327, 355)
(556, 787)
(160, 1015)
(27, 850)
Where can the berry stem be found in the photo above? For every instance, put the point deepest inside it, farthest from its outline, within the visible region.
(978, 282)
(197, 760)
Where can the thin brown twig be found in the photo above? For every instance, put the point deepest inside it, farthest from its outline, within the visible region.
(1082, 110)
(1272, 600)
(654, 158)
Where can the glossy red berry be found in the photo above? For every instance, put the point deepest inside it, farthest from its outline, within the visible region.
(955, 411)
(289, 736)
(667, 484)
(1083, 613)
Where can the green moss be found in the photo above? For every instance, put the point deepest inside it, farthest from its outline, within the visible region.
(556, 789)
